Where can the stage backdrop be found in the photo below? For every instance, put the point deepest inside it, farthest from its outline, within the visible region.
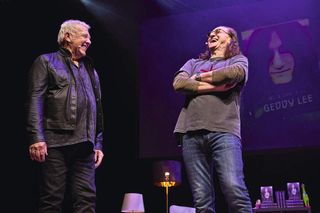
(281, 101)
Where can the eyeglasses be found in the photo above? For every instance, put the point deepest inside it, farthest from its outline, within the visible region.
(212, 33)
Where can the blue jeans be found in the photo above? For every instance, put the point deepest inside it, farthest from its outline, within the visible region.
(206, 154)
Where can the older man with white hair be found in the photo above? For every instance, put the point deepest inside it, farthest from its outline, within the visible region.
(65, 121)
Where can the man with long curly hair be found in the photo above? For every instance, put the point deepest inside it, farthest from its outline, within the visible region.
(209, 122)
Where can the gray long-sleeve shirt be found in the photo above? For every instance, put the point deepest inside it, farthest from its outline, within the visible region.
(214, 111)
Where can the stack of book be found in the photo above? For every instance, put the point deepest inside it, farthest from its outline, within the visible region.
(294, 203)
(265, 205)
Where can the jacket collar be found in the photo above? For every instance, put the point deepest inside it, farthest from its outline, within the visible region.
(64, 52)
(67, 54)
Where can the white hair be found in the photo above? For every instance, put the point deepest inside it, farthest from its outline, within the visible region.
(70, 26)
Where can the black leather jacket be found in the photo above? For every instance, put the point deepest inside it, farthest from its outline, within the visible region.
(52, 96)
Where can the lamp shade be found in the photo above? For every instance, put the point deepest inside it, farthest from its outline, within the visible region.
(133, 202)
(182, 209)
(167, 171)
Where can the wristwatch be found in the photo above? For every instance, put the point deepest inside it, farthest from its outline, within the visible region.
(198, 76)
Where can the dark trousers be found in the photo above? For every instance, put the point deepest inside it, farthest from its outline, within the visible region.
(71, 166)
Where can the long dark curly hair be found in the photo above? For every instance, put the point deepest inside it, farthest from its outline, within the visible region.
(232, 49)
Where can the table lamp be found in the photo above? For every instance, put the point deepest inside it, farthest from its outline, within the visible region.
(133, 202)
